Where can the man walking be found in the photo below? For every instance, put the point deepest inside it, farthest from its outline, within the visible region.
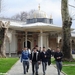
(35, 59)
(49, 56)
(58, 58)
(44, 60)
(38, 50)
(25, 59)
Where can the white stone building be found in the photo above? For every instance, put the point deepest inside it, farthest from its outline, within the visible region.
(37, 30)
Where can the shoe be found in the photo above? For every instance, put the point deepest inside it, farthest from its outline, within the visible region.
(27, 70)
(43, 73)
(32, 73)
(24, 73)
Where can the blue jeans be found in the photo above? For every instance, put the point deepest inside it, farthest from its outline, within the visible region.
(44, 66)
(25, 66)
(59, 67)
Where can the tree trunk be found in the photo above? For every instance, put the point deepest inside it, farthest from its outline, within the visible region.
(66, 31)
(2, 37)
(3, 47)
(3, 33)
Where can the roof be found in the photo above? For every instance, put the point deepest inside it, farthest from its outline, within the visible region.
(18, 25)
(35, 26)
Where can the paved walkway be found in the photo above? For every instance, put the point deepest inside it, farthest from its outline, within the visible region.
(17, 69)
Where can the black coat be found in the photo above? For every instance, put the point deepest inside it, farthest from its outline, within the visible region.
(58, 54)
(35, 57)
(43, 58)
(49, 53)
(49, 56)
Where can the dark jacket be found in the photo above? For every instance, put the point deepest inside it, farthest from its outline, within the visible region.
(43, 58)
(39, 51)
(58, 54)
(35, 56)
(49, 56)
(49, 53)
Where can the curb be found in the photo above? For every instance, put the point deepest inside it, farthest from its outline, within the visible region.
(61, 71)
(10, 69)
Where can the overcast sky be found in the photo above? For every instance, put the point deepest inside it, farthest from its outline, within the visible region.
(51, 7)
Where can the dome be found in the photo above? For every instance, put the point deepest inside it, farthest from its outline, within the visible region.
(38, 14)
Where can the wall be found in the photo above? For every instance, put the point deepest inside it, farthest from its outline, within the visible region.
(52, 43)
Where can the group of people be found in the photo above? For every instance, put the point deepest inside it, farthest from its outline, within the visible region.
(36, 57)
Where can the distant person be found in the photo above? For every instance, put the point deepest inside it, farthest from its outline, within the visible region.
(49, 55)
(53, 51)
(58, 58)
(25, 59)
(73, 51)
(35, 59)
(40, 49)
(44, 60)
(29, 50)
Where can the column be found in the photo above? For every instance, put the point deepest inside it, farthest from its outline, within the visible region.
(47, 41)
(26, 38)
(58, 40)
(9, 35)
(41, 39)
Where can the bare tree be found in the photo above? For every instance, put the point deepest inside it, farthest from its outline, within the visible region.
(16, 17)
(72, 7)
(21, 17)
(31, 12)
(66, 31)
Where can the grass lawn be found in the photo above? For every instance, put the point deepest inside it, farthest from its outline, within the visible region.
(64, 63)
(69, 70)
(6, 64)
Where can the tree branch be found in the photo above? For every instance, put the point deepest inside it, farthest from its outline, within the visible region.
(71, 5)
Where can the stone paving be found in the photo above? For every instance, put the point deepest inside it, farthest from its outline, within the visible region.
(17, 69)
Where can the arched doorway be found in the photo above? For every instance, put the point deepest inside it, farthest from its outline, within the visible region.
(28, 44)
